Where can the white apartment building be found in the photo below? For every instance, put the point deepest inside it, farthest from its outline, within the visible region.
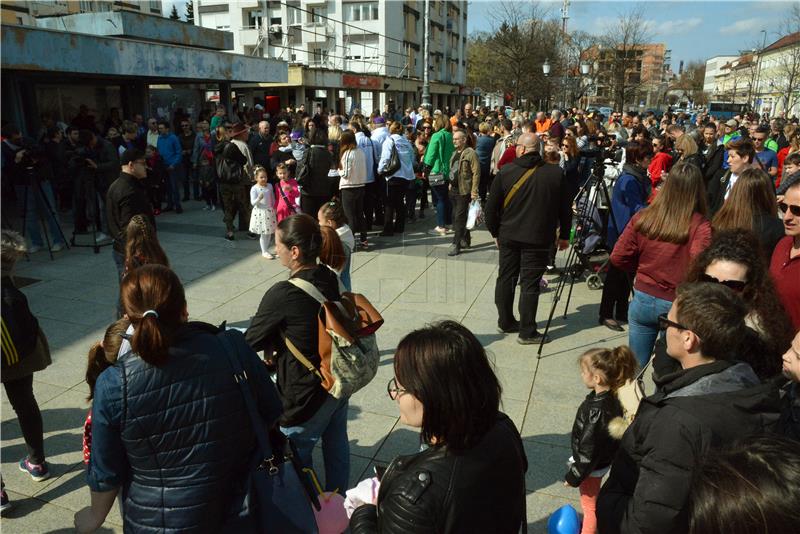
(346, 54)
(713, 69)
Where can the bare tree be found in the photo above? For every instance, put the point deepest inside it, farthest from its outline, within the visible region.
(784, 76)
(622, 54)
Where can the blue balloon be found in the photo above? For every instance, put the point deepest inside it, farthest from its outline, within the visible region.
(564, 521)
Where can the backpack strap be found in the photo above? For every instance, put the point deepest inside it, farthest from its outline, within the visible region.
(299, 355)
(309, 288)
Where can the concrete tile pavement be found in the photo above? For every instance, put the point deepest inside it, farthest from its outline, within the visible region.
(409, 278)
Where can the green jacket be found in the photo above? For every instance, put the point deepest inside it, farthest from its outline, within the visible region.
(439, 151)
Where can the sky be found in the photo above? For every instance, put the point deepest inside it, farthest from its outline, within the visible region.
(692, 30)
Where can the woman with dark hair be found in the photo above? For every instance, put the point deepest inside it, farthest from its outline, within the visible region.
(316, 187)
(445, 385)
(751, 206)
(734, 260)
(661, 162)
(630, 194)
(353, 177)
(288, 315)
(658, 245)
(169, 424)
(750, 486)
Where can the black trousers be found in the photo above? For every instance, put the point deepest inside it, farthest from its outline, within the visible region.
(20, 395)
(395, 208)
(616, 292)
(310, 204)
(373, 203)
(526, 263)
(353, 206)
(460, 205)
(486, 182)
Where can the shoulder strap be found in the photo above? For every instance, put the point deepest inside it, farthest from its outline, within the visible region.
(309, 288)
(299, 355)
(240, 376)
(519, 183)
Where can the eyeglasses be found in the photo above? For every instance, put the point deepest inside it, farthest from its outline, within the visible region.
(735, 285)
(664, 323)
(784, 207)
(393, 390)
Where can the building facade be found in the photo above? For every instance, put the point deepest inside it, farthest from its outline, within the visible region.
(646, 75)
(348, 55)
(778, 78)
(713, 69)
(25, 13)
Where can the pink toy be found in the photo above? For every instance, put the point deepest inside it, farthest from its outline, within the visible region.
(331, 517)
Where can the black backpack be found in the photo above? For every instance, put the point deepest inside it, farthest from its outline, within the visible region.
(229, 170)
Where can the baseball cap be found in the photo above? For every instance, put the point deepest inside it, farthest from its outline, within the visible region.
(732, 123)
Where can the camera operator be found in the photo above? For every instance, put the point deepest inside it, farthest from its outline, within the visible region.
(94, 165)
(25, 165)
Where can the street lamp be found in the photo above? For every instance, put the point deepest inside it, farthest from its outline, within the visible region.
(546, 67)
(585, 68)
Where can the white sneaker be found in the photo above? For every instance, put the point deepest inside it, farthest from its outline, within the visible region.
(437, 231)
(206, 208)
(57, 247)
(100, 236)
(268, 255)
(34, 249)
(213, 208)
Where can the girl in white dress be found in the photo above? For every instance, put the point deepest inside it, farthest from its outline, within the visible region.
(263, 220)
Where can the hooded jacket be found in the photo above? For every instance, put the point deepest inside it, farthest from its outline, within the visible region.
(694, 409)
(630, 194)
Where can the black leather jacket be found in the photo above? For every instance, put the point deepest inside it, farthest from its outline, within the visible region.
(592, 446)
(437, 491)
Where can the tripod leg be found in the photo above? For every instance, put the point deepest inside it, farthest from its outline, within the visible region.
(51, 210)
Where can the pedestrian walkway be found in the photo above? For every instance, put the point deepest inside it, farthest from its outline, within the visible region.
(411, 281)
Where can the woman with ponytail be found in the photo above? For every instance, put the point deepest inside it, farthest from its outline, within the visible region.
(169, 424)
(141, 245)
(288, 314)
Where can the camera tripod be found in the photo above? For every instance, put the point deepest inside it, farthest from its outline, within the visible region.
(38, 194)
(585, 202)
(94, 215)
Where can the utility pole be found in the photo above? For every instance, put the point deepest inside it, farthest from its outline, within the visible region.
(426, 83)
(566, 44)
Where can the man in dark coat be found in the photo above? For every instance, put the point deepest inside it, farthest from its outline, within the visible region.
(528, 201)
(710, 402)
(127, 197)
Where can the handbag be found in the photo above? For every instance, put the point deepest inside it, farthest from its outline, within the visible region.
(394, 161)
(631, 394)
(436, 179)
(282, 502)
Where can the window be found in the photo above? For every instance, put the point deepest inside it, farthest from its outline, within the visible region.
(275, 20)
(361, 11)
(254, 18)
(318, 14)
(294, 15)
(319, 56)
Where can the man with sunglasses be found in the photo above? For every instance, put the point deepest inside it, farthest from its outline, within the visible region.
(785, 264)
(709, 401)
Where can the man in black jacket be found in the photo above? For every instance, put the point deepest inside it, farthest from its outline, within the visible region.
(711, 401)
(528, 200)
(127, 197)
(712, 152)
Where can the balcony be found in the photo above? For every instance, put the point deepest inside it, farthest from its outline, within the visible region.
(248, 36)
(316, 32)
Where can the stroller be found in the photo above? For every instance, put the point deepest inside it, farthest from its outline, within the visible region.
(591, 211)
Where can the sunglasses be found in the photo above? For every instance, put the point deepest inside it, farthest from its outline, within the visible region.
(664, 323)
(735, 285)
(784, 207)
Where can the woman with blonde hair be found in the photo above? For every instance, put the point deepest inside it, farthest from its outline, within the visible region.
(751, 206)
(686, 150)
(658, 245)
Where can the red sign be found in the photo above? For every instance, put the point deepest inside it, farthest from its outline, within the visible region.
(361, 82)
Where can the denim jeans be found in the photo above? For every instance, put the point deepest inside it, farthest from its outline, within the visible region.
(643, 323)
(330, 424)
(444, 210)
(175, 178)
(36, 209)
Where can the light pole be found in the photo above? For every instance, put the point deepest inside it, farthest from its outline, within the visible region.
(758, 68)
(546, 70)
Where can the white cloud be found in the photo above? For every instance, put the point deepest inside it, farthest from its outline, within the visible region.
(745, 27)
(676, 27)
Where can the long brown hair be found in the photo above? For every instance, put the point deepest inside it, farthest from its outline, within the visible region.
(347, 142)
(154, 289)
(332, 251)
(572, 150)
(751, 195)
(141, 245)
(669, 217)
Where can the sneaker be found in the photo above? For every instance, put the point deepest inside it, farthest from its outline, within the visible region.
(536, 339)
(100, 236)
(229, 236)
(513, 329)
(37, 472)
(206, 208)
(213, 207)
(34, 249)
(5, 503)
(438, 231)
(57, 247)
(268, 255)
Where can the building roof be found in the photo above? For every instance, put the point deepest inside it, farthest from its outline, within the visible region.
(783, 42)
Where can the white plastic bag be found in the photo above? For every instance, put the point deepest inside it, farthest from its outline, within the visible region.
(475, 215)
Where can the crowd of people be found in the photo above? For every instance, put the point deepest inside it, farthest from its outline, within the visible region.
(701, 225)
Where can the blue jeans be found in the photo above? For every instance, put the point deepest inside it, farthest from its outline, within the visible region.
(330, 424)
(36, 209)
(643, 323)
(175, 178)
(444, 211)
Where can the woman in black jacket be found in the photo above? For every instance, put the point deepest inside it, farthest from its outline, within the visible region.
(288, 314)
(471, 476)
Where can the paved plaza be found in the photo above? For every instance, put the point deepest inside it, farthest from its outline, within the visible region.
(411, 281)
